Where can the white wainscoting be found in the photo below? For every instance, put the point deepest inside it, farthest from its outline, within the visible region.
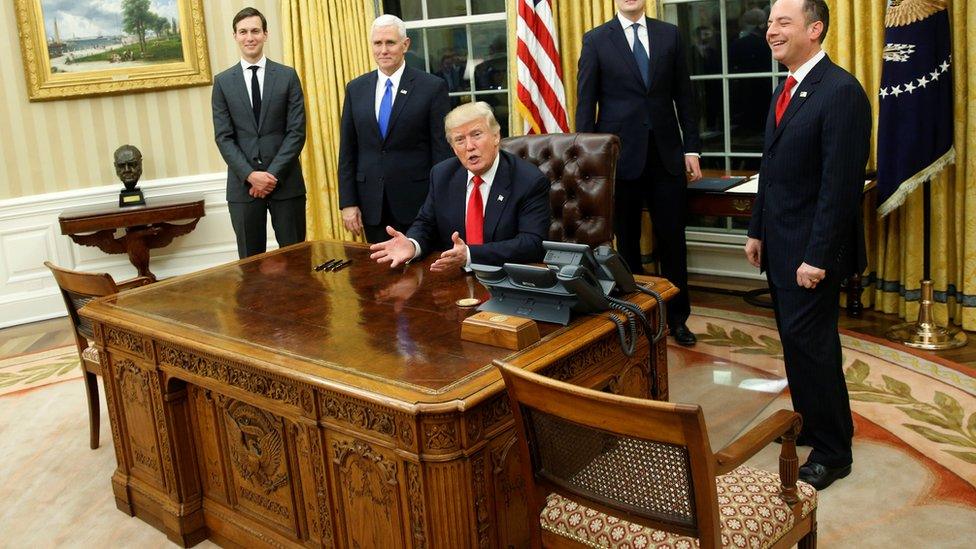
(30, 235)
(719, 254)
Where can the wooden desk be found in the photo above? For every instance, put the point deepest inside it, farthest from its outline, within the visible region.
(146, 227)
(263, 404)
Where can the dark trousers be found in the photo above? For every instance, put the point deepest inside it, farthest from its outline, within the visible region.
(250, 222)
(377, 233)
(807, 322)
(666, 197)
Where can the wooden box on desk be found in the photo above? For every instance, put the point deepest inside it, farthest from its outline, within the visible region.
(510, 332)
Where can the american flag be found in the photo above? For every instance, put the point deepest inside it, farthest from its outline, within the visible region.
(541, 98)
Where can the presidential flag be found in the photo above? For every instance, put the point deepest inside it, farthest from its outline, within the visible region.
(915, 121)
(540, 97)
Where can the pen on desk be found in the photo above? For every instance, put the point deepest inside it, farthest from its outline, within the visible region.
(341, 265)
(326, 265)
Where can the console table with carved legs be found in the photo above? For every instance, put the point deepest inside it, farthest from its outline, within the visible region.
(146, 227)
(262, 403)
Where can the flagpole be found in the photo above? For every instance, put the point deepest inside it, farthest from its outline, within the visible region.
(924, 333)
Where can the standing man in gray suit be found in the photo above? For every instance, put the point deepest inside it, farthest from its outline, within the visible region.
(392, 133)
(259, 126)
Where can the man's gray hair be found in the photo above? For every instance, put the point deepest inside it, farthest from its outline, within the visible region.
(387, 20)
(469, 112)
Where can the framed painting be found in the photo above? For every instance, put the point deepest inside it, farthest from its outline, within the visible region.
(79, 48)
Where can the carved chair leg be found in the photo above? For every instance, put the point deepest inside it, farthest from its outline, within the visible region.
(809, 541)
(91, 388)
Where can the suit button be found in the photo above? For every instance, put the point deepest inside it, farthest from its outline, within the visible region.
(383, 151)
(381, 180)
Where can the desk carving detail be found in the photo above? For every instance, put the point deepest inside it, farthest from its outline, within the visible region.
(366, 474)
(264, 385)
(367, 416)
(488, 416)
(127, 341)
(321, 496)
(417, 522)
(255, 447)
(440, 435)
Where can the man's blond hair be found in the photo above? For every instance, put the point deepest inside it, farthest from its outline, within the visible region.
(469, 112)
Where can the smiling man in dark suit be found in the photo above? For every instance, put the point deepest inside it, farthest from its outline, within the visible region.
(633, 82)
(806, 229)
(259, 126)
(392, 132)
(485, 206)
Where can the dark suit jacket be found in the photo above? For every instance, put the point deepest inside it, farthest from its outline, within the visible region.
(808, 208)
(274, 144)
(399, 165)
(608, 77)
(517, 214)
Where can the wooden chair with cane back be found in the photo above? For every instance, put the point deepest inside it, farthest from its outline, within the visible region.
(604, 470)
(77, 289)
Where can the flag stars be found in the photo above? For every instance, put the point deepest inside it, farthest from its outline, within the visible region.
(922, 82)
(909, 87)
(934, 75)
(884, 93)
(896, 91)
(944, 66)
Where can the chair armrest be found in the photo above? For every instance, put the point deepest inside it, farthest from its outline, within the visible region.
(133, 283)
(783, 423)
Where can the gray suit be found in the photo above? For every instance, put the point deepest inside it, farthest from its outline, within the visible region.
(272, 145)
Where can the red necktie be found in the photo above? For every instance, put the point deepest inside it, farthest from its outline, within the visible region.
(784, 98)
(474, 225)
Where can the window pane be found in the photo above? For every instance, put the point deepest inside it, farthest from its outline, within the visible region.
(487, 6)
(499, 104)
(746, 163)
(415, 55)
(712, 125)
(489, 57)
(447, 48)
(748, 107)
(408, 10)
(699, 26)
(445, 8)
(713, 163)
(746, 26)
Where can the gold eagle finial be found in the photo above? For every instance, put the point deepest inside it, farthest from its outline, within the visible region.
(905, 12)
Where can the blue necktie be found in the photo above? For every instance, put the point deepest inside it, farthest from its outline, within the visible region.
(386, 107)
(640, 55)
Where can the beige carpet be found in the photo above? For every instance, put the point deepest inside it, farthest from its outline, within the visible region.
(36, 369)
(913, 484)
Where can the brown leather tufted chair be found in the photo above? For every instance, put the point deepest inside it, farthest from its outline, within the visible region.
(581, 168)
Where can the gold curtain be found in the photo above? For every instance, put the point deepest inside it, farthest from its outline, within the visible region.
(895, 262)
(327, 43)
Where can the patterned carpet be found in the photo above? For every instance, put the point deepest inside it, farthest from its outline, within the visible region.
(33, 370)
(914, 479)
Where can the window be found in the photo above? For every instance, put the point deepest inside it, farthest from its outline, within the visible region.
(734, 76)
(465, 43)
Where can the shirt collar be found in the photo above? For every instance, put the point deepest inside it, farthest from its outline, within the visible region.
(489, 175)
(627, 23)
(395, 77)
(261, 63)
(805, 68)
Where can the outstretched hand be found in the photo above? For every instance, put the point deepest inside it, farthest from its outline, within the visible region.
(455, 258)
(395, 251)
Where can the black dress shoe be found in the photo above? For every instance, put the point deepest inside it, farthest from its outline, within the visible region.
(684, 336)
(820, 476)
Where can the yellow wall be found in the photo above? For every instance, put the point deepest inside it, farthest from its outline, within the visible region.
(68, 144)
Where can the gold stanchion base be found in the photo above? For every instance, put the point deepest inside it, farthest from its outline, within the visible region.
(926, 336)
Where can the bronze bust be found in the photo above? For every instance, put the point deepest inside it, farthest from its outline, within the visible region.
(128, 166)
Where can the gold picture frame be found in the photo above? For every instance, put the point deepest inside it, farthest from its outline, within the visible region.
(162, 48)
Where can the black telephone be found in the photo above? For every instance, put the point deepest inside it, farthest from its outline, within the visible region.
(575, 279)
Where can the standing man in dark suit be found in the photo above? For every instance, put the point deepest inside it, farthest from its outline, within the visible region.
(806, 229)
(259, 124)
(392, 132)
(485, 206)
(633, 69)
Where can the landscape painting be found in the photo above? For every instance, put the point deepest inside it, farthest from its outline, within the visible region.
(92, 47)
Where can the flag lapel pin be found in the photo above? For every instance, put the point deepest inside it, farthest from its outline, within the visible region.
(501, 198)
(803, 94)
(404, 92)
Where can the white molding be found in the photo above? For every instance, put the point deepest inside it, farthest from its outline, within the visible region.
(719, 254)
(29, 294)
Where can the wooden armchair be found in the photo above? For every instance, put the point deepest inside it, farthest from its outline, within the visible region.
(77, 289)
(603, 470)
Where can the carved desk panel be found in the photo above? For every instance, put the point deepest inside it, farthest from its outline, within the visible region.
(262, 403)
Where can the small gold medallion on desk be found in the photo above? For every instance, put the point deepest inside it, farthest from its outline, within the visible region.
(468, 302)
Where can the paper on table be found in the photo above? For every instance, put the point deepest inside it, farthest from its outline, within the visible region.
(751, 186)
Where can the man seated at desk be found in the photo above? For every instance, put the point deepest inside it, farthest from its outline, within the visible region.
(485, 206)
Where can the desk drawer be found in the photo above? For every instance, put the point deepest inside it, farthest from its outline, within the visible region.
(720, 204)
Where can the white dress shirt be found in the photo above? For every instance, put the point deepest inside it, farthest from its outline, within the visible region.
(245, 66)
(487, 179)
(381, 87)
(805, 69)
